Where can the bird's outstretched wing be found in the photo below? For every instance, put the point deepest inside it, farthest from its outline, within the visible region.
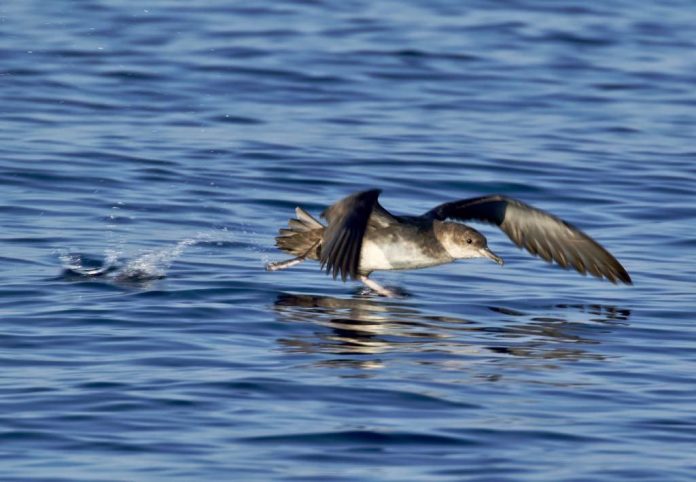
(343, 237)
(538, 232)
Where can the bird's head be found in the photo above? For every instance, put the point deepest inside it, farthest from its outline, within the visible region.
(463, 242)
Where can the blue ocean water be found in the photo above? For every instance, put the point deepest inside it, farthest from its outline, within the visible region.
(171, 140)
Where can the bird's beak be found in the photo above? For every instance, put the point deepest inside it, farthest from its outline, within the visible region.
(485, 252)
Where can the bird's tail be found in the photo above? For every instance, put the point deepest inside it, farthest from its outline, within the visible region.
(302, 236)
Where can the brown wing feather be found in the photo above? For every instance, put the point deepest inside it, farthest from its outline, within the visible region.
(539, 232)
(342, 240)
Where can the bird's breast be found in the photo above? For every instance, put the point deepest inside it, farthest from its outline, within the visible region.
(391, 254)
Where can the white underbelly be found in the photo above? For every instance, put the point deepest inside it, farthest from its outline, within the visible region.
(402, 255)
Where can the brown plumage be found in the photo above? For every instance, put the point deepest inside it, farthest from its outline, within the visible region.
(302, 236)
(361, 237)
(539, 232)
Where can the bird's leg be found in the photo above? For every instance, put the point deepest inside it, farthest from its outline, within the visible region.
(289, 263)
(378, 288)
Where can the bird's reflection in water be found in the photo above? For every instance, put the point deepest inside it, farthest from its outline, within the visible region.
(562, 334)
(354, 326)
(362, 330)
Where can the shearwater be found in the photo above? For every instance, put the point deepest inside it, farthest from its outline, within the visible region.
(362, 237)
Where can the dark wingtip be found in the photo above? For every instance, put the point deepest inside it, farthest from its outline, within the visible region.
(625, 278)
(619, 273)
(615, 274)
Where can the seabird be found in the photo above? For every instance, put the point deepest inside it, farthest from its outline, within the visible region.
(361, 237)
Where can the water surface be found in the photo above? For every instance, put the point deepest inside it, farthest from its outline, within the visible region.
(172, 140)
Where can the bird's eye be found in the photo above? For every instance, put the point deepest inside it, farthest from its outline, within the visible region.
(468, 241)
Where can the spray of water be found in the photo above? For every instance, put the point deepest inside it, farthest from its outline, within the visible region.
(154, 265)
(149, 266)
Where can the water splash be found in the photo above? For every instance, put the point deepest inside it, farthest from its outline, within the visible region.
(150, 266)
(76, 264)
(154, 265)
